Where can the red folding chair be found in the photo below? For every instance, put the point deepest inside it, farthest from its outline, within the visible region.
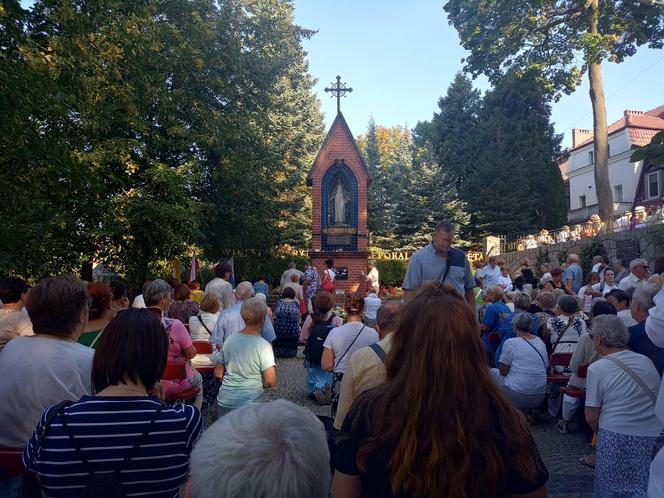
(558, 360)
(575, 392)
(176, 372)
(11, 462)
(203, 347)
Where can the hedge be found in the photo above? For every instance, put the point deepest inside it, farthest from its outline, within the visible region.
(392, 272)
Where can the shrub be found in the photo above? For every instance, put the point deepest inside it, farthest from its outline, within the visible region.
(392, 272)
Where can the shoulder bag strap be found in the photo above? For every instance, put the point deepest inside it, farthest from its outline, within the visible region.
(348, 349)
(203, 324)
(130, 453)
(536, 350)
(58, 410)
(634, 376)
(569, 325)
(379, 351)
(96, 339)
(445, 271)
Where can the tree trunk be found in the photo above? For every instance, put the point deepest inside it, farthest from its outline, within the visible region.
(86, 270)
(600, 132)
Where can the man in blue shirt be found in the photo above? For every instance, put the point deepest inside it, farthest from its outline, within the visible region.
(490, 273)
(440, 262)
(573, 272)
(639, 342)
(230, 321)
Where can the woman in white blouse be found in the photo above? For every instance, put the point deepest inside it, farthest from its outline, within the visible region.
(202, 324)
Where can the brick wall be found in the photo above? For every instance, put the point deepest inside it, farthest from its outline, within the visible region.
(356, 263)
(339, 144)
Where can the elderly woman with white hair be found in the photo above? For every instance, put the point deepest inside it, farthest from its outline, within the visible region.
(275, 449)
(620, 407)
(246, 363)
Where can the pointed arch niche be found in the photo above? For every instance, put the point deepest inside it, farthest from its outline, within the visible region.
(339, 234)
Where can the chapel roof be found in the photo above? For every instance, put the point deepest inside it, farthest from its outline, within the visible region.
(339, 121)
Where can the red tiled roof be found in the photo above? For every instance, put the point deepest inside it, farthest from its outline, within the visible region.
(641, 137)
(657, 111)
(640, 125)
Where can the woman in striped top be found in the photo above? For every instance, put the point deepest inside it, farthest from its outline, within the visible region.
(123, 428)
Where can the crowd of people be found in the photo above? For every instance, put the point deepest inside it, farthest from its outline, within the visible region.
(593, 226)
(429, 395)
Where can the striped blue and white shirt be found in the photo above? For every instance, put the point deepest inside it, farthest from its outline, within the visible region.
(105, 429)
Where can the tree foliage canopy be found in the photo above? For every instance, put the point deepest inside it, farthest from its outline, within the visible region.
(550, 35)
(135, 129)
(498, 153)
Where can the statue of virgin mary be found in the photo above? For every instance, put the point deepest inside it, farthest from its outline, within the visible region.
(340, 199)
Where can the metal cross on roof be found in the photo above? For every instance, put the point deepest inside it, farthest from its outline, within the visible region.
(339, 90)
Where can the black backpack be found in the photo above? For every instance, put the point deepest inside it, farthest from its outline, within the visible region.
(313, 351)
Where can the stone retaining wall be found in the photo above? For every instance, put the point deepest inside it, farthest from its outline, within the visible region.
(646, 242)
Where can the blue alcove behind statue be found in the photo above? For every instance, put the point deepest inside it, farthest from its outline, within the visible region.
(339, 172)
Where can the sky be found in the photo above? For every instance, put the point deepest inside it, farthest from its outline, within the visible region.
(399, 56)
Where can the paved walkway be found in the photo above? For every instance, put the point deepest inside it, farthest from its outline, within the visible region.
(568, 478)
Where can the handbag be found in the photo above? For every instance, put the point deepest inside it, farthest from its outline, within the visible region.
(328, 283)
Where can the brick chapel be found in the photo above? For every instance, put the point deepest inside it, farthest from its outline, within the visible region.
(339, 179)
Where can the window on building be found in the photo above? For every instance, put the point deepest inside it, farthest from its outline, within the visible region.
(591, 157)
(617, 193)
(582, 200)
(653, 185)
(609, 152)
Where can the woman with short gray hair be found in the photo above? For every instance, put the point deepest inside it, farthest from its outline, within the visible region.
(620, 408)
(157, 295)
(522, 366)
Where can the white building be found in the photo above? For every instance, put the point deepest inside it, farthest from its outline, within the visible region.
(635, 129)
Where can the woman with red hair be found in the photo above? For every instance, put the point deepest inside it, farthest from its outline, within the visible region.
(99, 313)
(440, 425)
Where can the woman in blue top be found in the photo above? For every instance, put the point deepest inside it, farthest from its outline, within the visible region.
(246, 363)
(260, 287)
(116, 430)
(493, 316)
(286, 324)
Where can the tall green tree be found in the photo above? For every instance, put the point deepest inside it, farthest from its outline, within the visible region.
(257, 175)
(549, 36)
(410, 193)
(387, 152)
(139, 128)
(515, 186)
(449, 134)
(429, 195)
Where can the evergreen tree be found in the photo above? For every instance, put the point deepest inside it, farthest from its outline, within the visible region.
(387, 152)
(515, 186)
(449, 133)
